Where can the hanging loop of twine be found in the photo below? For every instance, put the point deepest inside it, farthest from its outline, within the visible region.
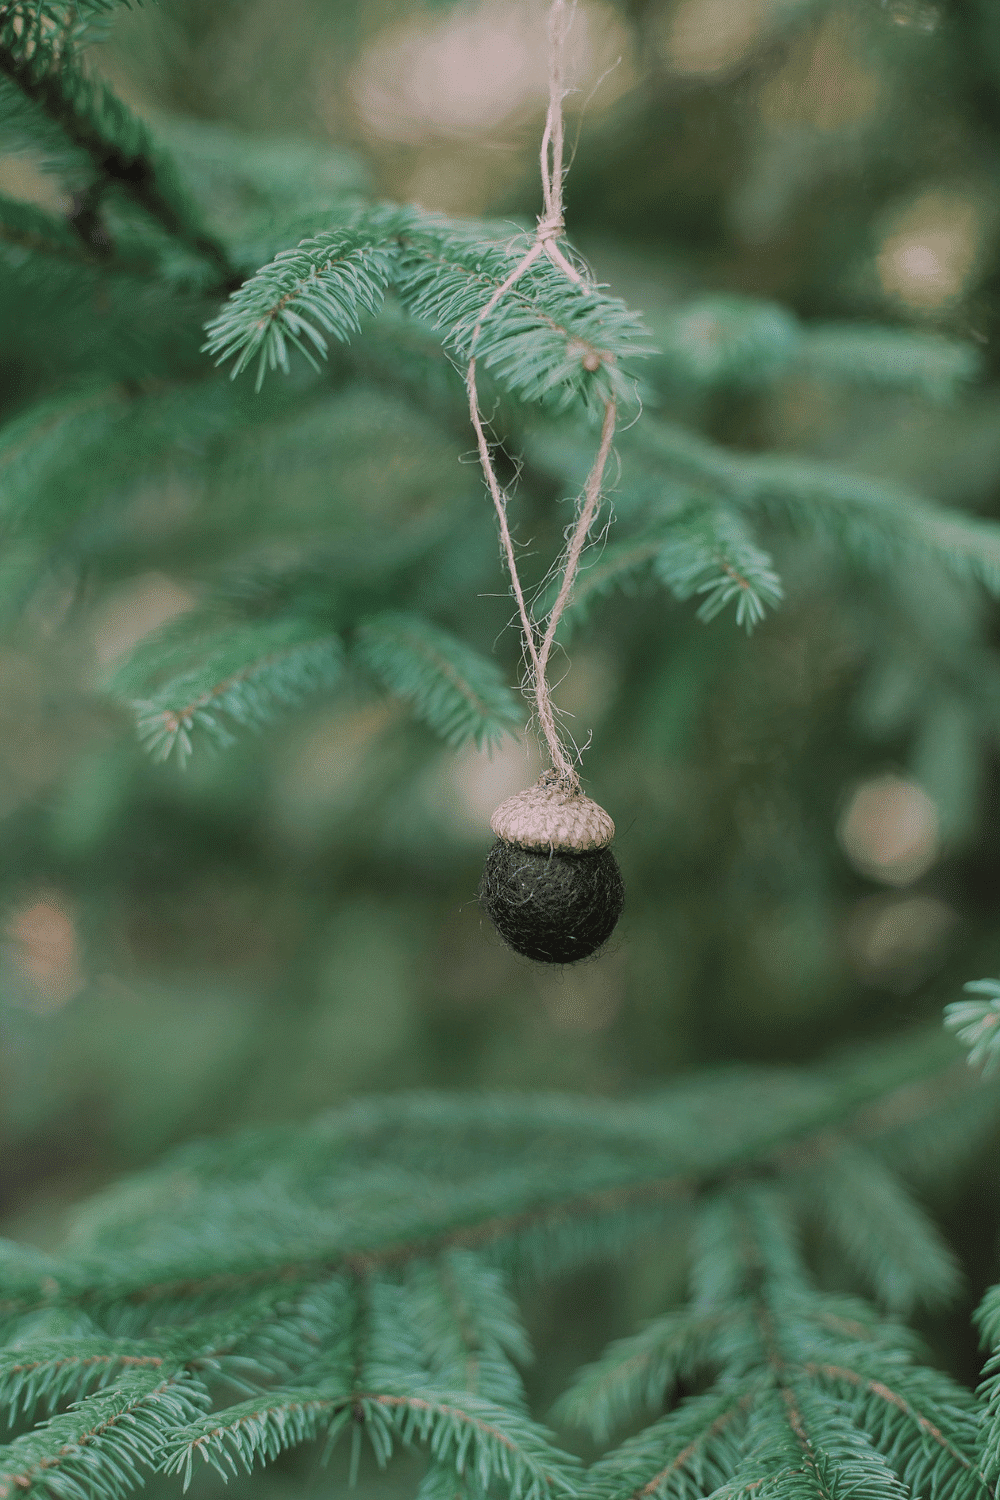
(539, 636)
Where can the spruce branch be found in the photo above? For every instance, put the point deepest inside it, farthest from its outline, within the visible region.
(353, 1299)
(883, 1232)
(548, 339)
(38, 56)
(195, 677)
(687, 1454)
(458, 693)
(461, 1430)
(62, 12)
(468, 1326)
(32, 231)
(607, 1175)
(706, 551)
(812, 1397)
(988, 1319)
(737, 342)
(323, 286)
(873, 520)
(905, 359)
(710, 553)
(49, 1372)
(976, 1024)
(638, 1373)
(105, 1443)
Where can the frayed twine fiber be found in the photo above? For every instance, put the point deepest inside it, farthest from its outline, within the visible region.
(553, 908)
(539, 635)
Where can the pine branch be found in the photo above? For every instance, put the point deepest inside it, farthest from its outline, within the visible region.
(976, 1023)
(712, 554)
(104, 1443)
(324, 286)
(637, 1374)
(874, 521)
(192, 679)
(458, 693)
(549, 340)
(37, 54)
(460, 1429)
(888, 358)
(883, 1232)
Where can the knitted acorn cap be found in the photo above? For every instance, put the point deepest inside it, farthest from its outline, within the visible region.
(552, 817)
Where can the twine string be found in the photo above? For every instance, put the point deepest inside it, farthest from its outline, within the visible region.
(539, 637)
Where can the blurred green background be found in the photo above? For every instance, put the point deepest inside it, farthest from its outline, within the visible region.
(807, 819)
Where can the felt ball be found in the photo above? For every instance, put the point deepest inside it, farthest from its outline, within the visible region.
(552, 906)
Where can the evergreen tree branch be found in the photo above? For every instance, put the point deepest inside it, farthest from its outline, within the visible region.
(976, 1024)
(874, 521)
(50, 1373)
(63, 12)
(468, 1326)
(104, 1443)
(36, 54)
(458, 693)
(889, 1239)
(724, 340)
(32, 231)
(687, 1454)
(711, 554)
(461, 1430)
(916, 1447)
(323, 286)
(888, 358)
(831, 1399)
(610, 1174)
(241, 675)
(637, 1373)
(550, 339)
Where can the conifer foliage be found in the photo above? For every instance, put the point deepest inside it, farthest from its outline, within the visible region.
(695, 518)
(211, 1313)
(352, 1281)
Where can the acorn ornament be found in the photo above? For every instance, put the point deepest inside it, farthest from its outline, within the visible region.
(551, 885)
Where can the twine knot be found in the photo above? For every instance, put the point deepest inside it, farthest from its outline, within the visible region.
(563, 780)
(550, 227)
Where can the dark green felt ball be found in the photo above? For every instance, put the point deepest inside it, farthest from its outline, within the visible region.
(554, 908)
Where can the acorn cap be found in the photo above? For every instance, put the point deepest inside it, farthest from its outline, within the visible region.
(553, 818)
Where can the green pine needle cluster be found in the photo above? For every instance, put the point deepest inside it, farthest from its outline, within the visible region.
(211, 1313)
(392, 296)
(976, 1023)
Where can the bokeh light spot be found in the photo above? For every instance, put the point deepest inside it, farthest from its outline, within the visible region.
(890, 830)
